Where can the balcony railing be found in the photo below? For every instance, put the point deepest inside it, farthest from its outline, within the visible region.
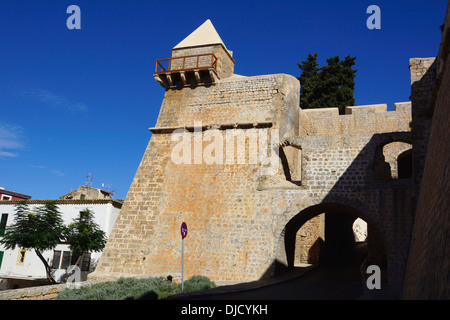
(186, 63)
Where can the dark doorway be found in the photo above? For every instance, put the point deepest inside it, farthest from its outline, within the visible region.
(338, 245)
(404, 165)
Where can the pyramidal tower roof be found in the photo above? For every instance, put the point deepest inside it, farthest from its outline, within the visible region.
(206, 34)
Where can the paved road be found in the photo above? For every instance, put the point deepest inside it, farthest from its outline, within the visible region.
(323, 282)
(333, 281)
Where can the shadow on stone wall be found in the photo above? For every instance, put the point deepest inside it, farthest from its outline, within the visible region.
(362, 191)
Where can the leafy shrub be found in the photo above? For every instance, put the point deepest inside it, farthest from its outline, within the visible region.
(135, 289)
(197, 283)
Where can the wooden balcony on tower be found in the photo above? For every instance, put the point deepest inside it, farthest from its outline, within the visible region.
(189, 70)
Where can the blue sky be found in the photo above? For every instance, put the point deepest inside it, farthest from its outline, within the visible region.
(74, 102)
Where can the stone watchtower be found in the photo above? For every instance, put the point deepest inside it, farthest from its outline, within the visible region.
(213, 191)
(200, 59)
(262, 184)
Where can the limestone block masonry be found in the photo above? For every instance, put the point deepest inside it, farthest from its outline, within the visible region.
(217, 201)
(428, 269)
(242, 222)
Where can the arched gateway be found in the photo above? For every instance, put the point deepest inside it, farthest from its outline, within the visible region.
(333, 239)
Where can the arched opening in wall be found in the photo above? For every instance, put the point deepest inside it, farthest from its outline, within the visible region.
(404, 165)
(309, 241)
(359, 228)
(291, 160)
(333, 234)
(391, 154)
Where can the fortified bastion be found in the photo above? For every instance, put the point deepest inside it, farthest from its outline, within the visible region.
(261, 183)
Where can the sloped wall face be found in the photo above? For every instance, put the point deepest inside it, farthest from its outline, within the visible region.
(423, 77)
(427, 274)
(215, 194)
(428, 265)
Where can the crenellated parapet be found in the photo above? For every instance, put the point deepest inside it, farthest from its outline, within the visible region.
(356, 120)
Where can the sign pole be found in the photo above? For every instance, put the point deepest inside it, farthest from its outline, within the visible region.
(182, 265)
(184, 231)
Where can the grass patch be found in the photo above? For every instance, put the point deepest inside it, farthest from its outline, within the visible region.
(135, 289)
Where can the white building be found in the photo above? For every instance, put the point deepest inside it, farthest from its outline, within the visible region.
(20, 267)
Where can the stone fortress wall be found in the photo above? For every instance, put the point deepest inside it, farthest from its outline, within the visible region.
(428, 268)
(244, 214)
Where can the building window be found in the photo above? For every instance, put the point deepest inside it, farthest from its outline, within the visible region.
(65, 262)
(21, 257)
(85, 261)
(63, 259)
(3, 221)
(1, 258)
(5, 197)
(56, 259)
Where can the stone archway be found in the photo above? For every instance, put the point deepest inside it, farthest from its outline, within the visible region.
(398, 155)
(337, 242)
(384, 163)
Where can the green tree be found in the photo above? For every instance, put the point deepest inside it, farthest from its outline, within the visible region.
(84, 235)
(331, 86)
(309, 80)
(39, 231)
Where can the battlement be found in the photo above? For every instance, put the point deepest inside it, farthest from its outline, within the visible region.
(357, 119)
(370, 108)
(404, 107)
